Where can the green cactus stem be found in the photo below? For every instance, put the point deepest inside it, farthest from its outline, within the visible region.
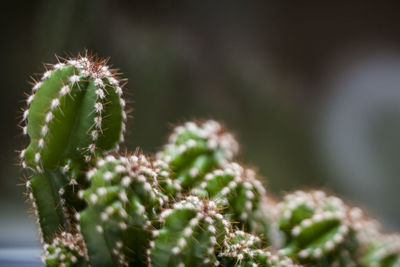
(236, 190)
(192, 231)
(195, 149)
(75, 113)
(123, 203)
(66, 250)
(244, 250)
(318, 229)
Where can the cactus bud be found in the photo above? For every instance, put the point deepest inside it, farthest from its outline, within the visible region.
(192, 231)
(195, 149)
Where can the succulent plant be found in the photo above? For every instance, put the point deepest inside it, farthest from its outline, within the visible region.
(191, 206)
(75, 114)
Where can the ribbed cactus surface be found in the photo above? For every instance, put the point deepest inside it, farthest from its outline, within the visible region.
(75, 111)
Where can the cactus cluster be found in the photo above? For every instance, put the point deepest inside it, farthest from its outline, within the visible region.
(189, 205)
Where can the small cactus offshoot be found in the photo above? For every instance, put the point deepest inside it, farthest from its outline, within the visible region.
(190, 205)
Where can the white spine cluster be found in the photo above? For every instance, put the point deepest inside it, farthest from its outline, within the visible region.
(247, 249)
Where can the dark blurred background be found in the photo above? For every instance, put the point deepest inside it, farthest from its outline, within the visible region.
(311, 89)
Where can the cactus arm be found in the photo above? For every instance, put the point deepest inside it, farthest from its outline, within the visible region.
(75, 114)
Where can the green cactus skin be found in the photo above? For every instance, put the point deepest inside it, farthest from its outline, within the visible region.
(236, 190)
(75, 113)
(123, 202)
(318, 229)
(195, 149)
(66, 250)
(244, 250)
(192, 231)
(48, 204)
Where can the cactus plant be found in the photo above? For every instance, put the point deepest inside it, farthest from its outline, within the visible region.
(75, 113)
(191, 206)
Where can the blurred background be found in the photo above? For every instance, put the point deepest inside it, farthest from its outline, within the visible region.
(311, 90)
